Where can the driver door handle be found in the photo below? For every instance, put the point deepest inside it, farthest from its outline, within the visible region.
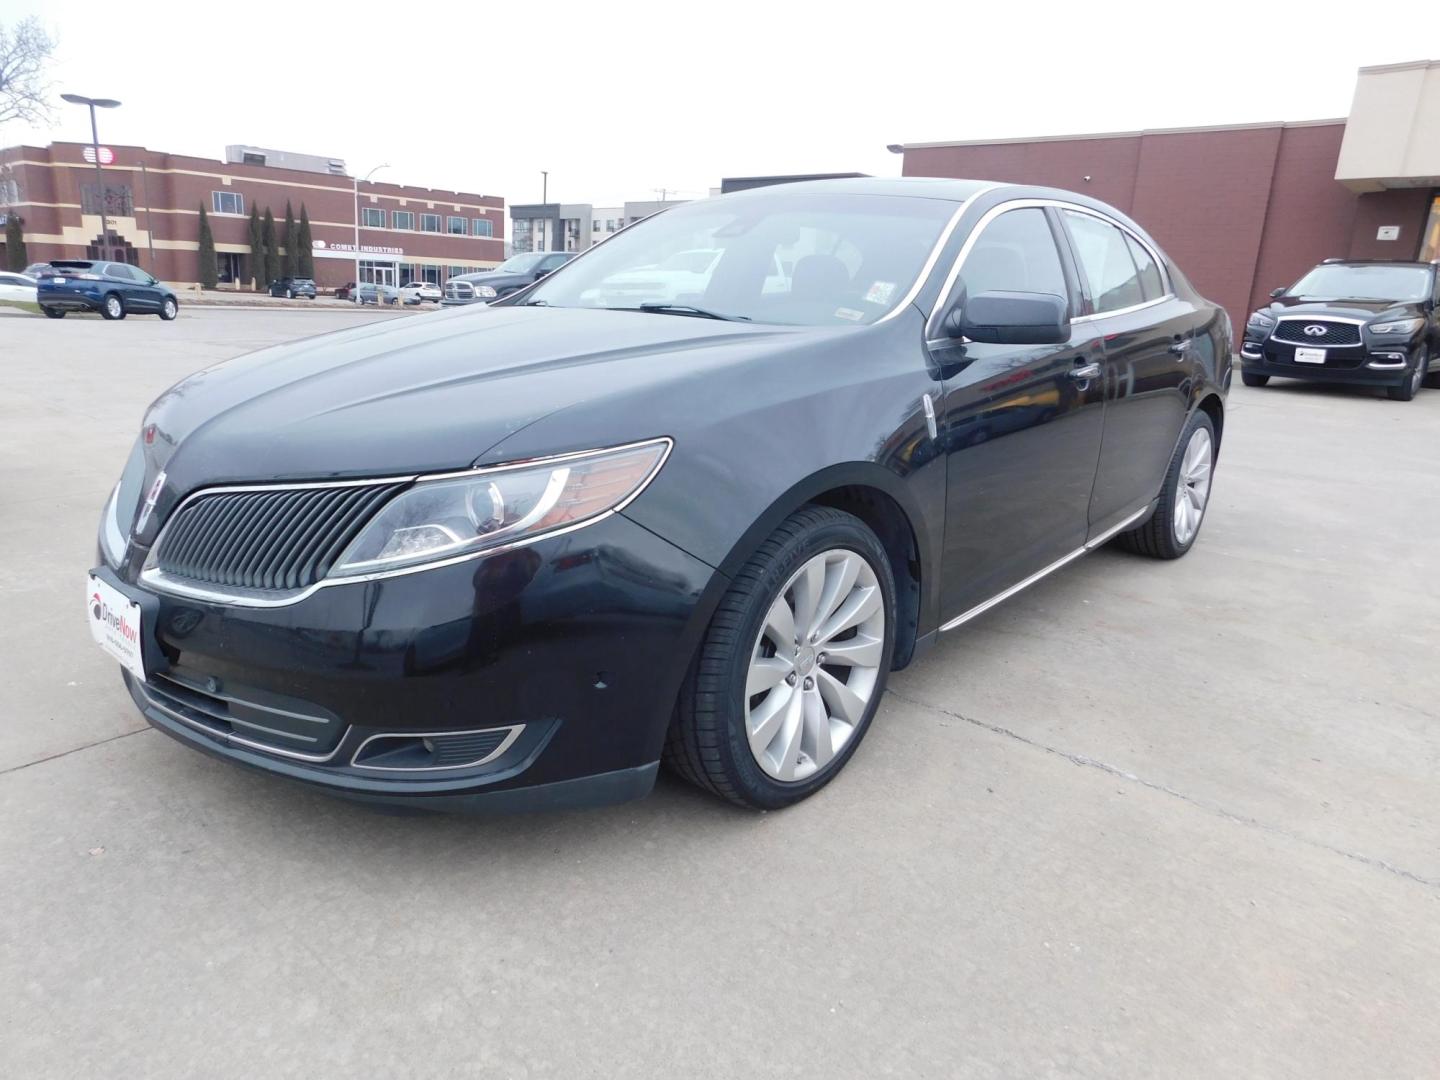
(1180, 348)
(1086, 371)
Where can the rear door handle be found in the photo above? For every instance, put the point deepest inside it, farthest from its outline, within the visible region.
(1086, 371)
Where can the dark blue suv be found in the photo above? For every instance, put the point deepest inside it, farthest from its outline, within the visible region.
(113, 289)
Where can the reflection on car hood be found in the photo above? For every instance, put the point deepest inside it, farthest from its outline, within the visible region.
(1348, 309)
(424, 393)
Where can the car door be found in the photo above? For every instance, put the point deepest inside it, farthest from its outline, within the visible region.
(1020, 424)
(1150, 358)
(139, 296)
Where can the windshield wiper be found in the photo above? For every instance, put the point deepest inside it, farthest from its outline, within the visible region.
(687, 309)
(533, 303)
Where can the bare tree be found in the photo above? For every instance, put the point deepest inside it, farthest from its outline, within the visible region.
(25, 50)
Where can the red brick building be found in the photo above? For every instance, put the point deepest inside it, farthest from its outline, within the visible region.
(1248, 208)
(152, 206)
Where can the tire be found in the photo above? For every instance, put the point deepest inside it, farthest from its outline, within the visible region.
(169, 308)
(1254, 380)
(289, 294)
(1414, 379)
(53, 313)
(112, 307)
(1161, 537)
(709, 742)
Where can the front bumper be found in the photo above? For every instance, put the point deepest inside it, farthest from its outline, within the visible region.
(1366, 364)
(579, 641)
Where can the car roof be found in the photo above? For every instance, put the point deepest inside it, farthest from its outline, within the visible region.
(925, 187)
(1377, 262)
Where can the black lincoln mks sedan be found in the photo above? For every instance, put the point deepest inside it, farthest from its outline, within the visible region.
(1365, 323)
(517, 556)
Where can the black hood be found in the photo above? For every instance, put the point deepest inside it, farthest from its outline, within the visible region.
(424, 393)
(1349, 309)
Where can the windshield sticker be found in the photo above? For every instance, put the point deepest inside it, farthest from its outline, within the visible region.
(849, 313)
(880, 292)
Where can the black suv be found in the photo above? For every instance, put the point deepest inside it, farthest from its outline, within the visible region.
(514, 274)
(291, 287)
(1349, 321)
(113, 289)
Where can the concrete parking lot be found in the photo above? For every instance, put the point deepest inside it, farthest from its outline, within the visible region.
(1145, 820)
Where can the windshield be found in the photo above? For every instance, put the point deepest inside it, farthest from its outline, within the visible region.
(519, 264)
(1338, 282)
(801, 260)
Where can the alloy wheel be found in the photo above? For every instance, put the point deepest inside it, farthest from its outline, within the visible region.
(1193, 490)
(112, 305)
(815, 665)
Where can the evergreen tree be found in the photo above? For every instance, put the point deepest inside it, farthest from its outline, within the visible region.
(209, 272)
(272, 250)
(292, 243)
(257, 251)
(15, 242)
(306, 244)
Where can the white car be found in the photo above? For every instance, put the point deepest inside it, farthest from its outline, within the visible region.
(413, 292)
(16, 288)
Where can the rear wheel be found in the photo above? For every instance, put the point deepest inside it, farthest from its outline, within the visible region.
(53, 313)
(1253, 380)
(1172, 529)
(793, 665)
(1414, 379)
(113, 307)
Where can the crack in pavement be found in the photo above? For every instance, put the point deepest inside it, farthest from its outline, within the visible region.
(1210, 808)
(74, 750)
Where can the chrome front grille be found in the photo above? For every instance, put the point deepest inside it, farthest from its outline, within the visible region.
(1293, 332)
(279, 538)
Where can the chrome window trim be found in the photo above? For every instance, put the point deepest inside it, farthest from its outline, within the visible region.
(505, 744)
(935, 252)
(1044, 572)
(155, 578)
(947, 291)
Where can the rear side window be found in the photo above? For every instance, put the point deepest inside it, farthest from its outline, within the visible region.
(1015, 253)
(1150, 279)
(1105, 260)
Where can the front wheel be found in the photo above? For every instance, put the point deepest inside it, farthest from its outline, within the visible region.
(53, 313)
(1172, 529)
(113, 307)
(793, 666)
(289, 294)
(169, 309)
(1254, 380)
(1407, 390)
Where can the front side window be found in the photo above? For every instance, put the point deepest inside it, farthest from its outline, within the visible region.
(227, 202)
(429, 222)
(1015, 253)
(456, 226)
(402, 219)
(372, 217)
(1338, 281)
(1105, 261)
(792, 259)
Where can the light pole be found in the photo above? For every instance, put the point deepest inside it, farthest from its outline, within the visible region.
(368, 175)
(544, 187)
(97, 103)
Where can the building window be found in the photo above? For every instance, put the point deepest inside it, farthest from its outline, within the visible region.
(429, 222)
(402, 219)
(119, 201)
(483, 227)
(227, 202)
(456, 271)
(372, 217)
(376, 273)
(247, 158)
(457, 226)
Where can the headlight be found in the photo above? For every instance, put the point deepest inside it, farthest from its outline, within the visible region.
(1259, 321)
(484, 290)
(1396, 326)
(454, 516)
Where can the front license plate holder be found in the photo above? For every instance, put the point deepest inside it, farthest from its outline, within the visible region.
(1309, 356)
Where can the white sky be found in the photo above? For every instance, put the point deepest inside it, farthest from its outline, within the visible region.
(617, 99)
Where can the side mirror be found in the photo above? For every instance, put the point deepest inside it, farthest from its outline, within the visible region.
(1011, 318)
(1276, 293)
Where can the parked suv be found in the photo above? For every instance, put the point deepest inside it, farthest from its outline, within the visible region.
(514, 274)
(113, 289)
(291, 287)
(413, 292)
(1348, 321)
